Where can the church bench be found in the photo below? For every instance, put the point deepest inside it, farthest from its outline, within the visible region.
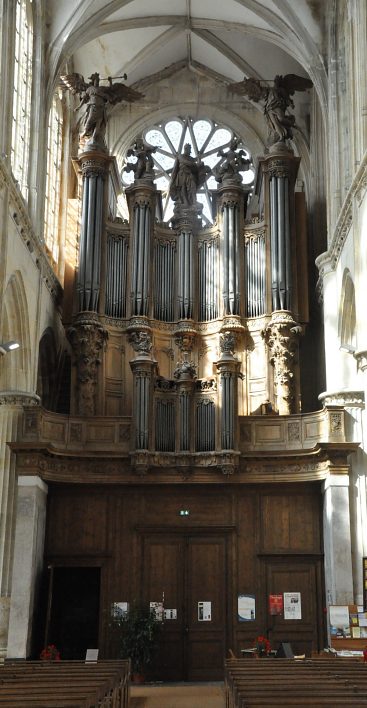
(288, 682)
(66, 683)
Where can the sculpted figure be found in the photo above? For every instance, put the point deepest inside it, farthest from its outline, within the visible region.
(233, 163)
(188, 175)
(277, 100)
(95, 99)
(144, 165)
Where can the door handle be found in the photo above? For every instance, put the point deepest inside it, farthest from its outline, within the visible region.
(186, 630)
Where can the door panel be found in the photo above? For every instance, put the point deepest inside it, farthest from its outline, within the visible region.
(206, 581)
(163, 581)
(295, 576)
(185, 570)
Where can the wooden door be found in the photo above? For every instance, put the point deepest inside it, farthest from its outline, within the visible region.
(184, 570)
(296, 576)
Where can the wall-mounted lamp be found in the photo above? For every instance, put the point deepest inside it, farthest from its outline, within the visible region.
(184, 512)
(8, 347)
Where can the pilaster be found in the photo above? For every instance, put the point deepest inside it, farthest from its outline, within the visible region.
(28, 563)
(281, 336)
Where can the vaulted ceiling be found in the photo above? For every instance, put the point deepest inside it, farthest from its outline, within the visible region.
(228, 39)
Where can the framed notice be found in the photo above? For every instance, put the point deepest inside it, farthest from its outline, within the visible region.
(246, 608)
(204, 611)
(292, 606)
(275, 604)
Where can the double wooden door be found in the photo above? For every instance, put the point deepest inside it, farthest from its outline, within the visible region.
(188, 572)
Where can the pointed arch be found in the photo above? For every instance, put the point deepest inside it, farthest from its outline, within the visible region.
(16, 370)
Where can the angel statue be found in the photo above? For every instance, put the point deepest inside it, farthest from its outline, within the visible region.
(233, 162)
(277, 100)
(144, 165)
(95, 99)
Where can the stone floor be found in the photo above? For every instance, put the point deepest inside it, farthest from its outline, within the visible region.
(181, 695)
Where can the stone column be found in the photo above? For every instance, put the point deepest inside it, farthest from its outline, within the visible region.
(11, 417)
(141, 198)
(337, 540)
(87, 337)
(28, 563)
(281, 336)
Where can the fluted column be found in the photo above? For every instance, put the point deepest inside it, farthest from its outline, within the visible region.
(87, 337)
(281, 335)
(228, 368)
(141, 199)
(11, 417)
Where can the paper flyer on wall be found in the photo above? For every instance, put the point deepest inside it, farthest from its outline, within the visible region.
(246, 608)
(339, 616)
(292, 606)
(275, 604)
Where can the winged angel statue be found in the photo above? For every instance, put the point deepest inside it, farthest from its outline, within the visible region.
(95, 99)
(277, 100)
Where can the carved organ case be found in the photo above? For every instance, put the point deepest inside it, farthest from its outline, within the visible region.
(185, 328)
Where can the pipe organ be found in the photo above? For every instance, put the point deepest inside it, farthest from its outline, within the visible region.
(205, 318)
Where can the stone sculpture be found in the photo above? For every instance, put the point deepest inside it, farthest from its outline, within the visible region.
(188, 175)
(144, 165)
(95, 99)
(234, 161)
(277, 100)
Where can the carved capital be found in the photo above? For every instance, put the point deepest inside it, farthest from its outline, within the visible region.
(87, 338)
(281, 336)
(141, 341)
(93, 167)
(227, 344)
(185, 370)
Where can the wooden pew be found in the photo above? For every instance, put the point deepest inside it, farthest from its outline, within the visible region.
(68, 684)
(283, 682)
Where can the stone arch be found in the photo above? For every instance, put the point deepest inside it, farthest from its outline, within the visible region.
(16, 374)
(347, 313)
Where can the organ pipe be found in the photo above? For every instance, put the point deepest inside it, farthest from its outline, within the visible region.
(89, 273)
(255, 275)
(205, 426)
(280, 243)
(116, 277)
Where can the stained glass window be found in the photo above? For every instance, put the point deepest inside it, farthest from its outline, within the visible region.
(22, 94)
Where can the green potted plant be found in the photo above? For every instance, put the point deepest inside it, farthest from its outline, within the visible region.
(136, 633)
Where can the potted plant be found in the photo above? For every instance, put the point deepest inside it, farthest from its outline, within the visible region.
(136, 632)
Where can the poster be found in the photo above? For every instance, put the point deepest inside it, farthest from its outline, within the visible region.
(339, 616)
(158, 609)
(204, 611)
(119, 609)
(292, 605)
(246, 608)
(170, 614)
(275, 604)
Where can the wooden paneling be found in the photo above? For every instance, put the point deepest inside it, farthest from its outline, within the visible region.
(260, 526)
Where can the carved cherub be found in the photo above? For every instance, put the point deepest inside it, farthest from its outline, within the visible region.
(277, 100)
(95, 99)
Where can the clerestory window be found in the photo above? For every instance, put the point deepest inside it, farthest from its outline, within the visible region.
(21, 117)
(53, 173)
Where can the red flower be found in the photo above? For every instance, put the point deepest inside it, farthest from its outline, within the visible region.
(262, 645)
(50, 653)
